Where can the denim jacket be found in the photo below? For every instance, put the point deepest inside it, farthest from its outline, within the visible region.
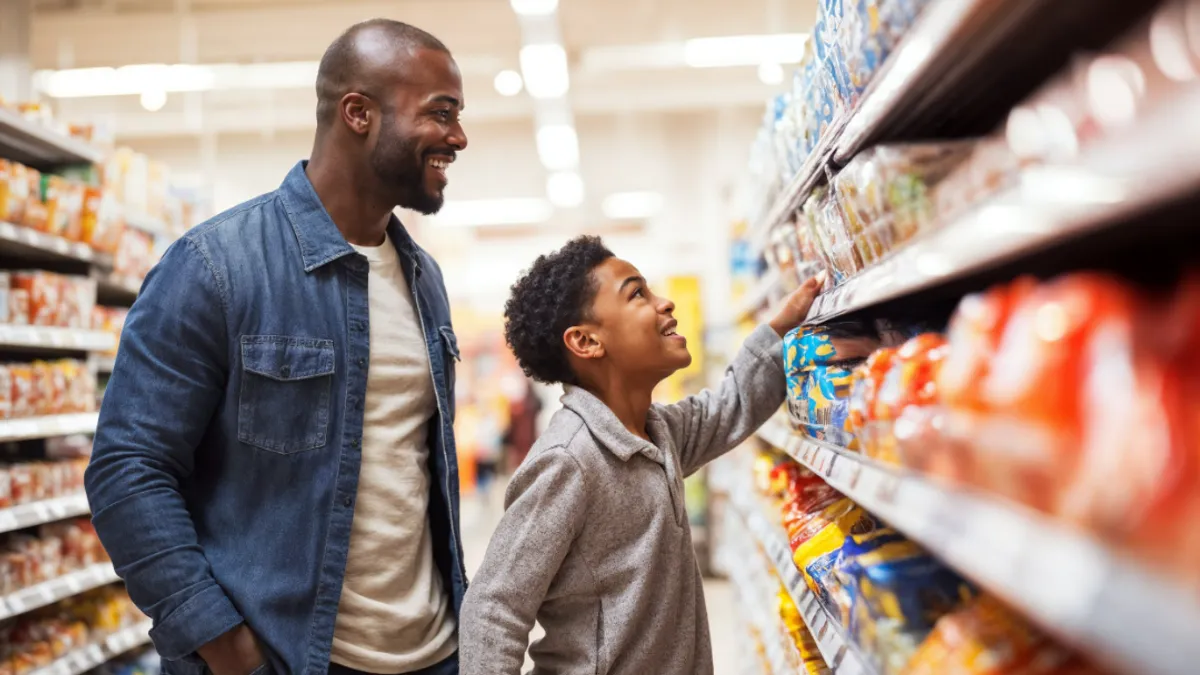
(226, 462)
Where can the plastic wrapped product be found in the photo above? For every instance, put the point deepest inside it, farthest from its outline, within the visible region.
(831, 234)
(818, 361)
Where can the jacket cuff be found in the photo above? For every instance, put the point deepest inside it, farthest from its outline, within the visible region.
(202, 618)
(765, 343)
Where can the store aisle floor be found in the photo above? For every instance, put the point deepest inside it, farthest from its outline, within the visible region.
(480, 515)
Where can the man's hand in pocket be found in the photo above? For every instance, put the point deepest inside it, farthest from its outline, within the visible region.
(234, 653)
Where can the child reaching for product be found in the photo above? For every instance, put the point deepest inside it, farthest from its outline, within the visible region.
(595, 543)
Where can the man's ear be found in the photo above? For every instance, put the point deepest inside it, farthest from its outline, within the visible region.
(356, 113)
(583, 343)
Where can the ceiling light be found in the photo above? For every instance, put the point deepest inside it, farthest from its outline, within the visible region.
(153, 100)
(509, 83)
(545, 69)
(534, 7)
(485, 212)
(558, 146)
(744, 50)
(127, 80)
(632, 205)
(565, 189)
(770, 73)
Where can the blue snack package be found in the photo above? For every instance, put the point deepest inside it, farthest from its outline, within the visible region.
(819, 363)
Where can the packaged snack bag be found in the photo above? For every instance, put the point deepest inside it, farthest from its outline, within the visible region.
(830, 232)
(986, 638)
(818, 361)
(1031, 437)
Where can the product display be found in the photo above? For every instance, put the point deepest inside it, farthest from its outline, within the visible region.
(38, 298)
(46, 388)
(56, 549)
(110, 320)
(28, 482)
(36, 640)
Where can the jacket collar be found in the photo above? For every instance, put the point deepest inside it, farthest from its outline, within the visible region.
(320, 241)
(608, 431)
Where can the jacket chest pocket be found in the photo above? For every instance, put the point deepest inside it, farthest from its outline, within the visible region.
(283, 402)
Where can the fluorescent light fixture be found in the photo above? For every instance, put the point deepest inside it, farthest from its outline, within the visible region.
(545, 69)
(632, 205)
(153, 100)
(565, 189)
(534, 7)
(127, 80)
(558, 146)
(491, 212)
(744, 50)
(508, 83)
(770, 73)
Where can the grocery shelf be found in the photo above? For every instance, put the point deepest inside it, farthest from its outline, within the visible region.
(840, 655)
(1147, 167)
(92, 656)
(46, 511)
(48, 426)
(25, 242)
(54, 590)
(116, 288)
(1103, 604)
(39, 146)
(105, 364)
(47, 337)
(955, 74)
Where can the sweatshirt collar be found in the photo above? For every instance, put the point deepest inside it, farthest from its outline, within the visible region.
(608, 431)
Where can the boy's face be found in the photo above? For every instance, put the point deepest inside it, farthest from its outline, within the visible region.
(635, 327)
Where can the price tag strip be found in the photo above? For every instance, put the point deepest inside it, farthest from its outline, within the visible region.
(48, 426)
(54, 590)
(29, 515)
(94, 655)
(1066, 581)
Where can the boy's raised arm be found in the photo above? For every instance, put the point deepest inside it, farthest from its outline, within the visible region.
(713, 422)
(546, 504)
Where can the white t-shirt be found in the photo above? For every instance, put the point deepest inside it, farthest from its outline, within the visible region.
(394, 615)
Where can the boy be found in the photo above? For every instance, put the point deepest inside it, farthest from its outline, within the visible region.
(594, 542)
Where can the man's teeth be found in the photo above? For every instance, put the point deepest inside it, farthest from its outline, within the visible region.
(439, 164)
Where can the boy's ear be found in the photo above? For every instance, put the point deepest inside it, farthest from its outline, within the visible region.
(582, 343)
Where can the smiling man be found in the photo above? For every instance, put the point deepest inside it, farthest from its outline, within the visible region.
(274, 472)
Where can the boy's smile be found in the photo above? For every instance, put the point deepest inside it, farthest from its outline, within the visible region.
(636, 328)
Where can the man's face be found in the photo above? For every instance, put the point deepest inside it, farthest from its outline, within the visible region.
(635, 327)
(419, 134)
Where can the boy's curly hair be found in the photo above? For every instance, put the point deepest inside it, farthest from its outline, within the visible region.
(553, 295)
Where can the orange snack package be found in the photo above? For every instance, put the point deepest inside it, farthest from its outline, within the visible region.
(1031, 435)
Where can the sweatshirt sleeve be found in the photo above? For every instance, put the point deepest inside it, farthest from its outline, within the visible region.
(546, 506)
(711, 423)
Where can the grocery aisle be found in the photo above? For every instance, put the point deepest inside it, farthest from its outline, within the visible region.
(481, 514)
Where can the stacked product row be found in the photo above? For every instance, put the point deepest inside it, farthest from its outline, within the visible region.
(905, 612)
(850, 41)
(889, 194)
(35, 640)
(56, 549)
(46, 388)
(1078, 397)
(28, 482)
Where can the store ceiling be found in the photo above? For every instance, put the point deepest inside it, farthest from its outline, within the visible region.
(614, 49)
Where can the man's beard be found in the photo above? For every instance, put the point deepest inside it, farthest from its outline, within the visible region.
(397, 164)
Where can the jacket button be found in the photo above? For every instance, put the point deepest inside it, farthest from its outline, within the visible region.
(347, 501)
(285, 371)
(362, 362)
(356, 443)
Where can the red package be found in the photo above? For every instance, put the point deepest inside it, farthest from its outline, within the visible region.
(1031, 436)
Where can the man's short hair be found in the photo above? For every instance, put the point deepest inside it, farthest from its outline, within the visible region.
(556, 293)
(342, 68)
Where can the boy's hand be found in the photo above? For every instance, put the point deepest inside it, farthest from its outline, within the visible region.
(795, 307)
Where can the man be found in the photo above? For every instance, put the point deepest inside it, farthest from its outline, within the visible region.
(274, 473)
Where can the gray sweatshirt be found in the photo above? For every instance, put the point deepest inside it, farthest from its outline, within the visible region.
(595, 543)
